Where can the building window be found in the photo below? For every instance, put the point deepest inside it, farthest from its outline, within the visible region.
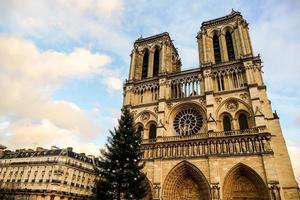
(145, 65)
(220, 82)
(152, 131)
(156, 63)
(188, 121)
(235, 80)
(229, 44)
(217, 51)
(226, 123)
(140, 130)
(243, 121)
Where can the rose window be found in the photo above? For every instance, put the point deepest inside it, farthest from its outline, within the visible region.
(188, 121)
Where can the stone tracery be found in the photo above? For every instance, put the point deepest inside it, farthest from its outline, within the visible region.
(188, 121)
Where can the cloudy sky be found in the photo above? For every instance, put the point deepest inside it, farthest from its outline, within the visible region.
(62, 62)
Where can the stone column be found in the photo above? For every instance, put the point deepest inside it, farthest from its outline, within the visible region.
(241, 38)
(204, 48)
(156, 191)
(163, 59)
(215, 191)
(150, 63)
(132, 65)
(274, 191)
(223, 48)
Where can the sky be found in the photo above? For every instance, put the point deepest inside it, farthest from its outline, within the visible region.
(63, 63)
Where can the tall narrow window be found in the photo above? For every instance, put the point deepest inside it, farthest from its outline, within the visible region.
(220, 81)
(217, 49)
(156, 63)
(140, 130)
(243, 121)
(152, 131)
(235, 80)
(145, 65)
(229, 44)
(226, 123)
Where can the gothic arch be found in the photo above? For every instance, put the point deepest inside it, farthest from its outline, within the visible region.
(152, 115)
(226, 127)
(156, 46)
(249, 118)
(152, 129)
(242, 104)
(140, 127)
(226, 28)
(185, 181)
(214, 32)
(242, 182)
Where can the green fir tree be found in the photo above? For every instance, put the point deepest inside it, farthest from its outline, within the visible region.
(120, 164)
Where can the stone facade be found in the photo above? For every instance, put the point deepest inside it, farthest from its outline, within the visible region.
(43, 174)
(208, 132)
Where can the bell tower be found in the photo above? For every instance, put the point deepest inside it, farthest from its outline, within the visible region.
(152, 56)
(208, 132)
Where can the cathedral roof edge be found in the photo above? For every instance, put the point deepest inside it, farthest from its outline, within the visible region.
(141, 39)
(232, 14)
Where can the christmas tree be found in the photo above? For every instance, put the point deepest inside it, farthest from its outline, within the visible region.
(120, 164)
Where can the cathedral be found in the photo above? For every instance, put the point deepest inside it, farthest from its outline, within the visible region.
(208, 132)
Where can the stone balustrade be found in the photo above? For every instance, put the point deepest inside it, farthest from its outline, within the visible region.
(247, 142)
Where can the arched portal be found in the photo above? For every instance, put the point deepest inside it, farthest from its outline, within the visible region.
(185, 182)
(243, 183)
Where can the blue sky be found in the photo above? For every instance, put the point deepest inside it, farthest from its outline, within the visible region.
(62, 62)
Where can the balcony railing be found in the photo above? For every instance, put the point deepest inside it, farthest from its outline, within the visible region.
(254, 141)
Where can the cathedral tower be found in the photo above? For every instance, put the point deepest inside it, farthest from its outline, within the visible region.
(208, 132)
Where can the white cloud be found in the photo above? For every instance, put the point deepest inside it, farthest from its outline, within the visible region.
(114, 83)
(28, 134)
(60, 21)
(28, 76)
(275, 36)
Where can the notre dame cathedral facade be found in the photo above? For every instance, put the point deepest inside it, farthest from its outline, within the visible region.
(208, 132)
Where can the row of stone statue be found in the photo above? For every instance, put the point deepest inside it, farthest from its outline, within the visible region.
(207, 147)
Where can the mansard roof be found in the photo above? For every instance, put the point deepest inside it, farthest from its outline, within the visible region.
(46, 153)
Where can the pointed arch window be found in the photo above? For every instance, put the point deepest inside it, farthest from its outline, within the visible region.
(226, 123)
(156, 63)
(229, 45)
(145, 65)
(220, 82)
(243, 121)
(140, 130)
(217, 51)
(152, 131)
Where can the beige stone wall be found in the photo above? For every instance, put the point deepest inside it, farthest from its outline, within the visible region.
(229, 88)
